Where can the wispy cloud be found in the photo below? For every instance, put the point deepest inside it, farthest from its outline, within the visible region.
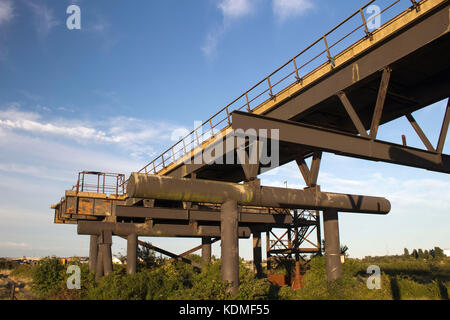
(285, 9)
(44, 18)
(235, 8)
(15, 245)
(6, 11)
(137, 136)
(231, 10)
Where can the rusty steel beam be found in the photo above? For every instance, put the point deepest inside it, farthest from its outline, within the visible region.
(195, 190)
(345, 144)
(382, 93)
(352, 113)
(444, 128)
(199, 215)
(157, 230)
(196, 248)
(170, 254)
(420, 133)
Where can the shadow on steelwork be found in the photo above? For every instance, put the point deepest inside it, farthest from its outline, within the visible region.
(400, 154)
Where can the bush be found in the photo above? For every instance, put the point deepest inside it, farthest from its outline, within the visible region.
(48, 277)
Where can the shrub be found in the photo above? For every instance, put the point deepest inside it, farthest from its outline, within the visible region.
(47, 277)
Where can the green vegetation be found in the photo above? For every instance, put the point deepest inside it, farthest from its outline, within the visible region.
(403, 277)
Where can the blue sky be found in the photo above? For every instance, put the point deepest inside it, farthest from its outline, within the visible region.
(108, 97)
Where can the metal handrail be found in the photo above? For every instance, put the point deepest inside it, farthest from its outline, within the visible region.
(196, 136)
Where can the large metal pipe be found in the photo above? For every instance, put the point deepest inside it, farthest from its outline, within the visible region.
(93, 252)
(230, 245)
(132, 241)
(332, 245)
(197, 190)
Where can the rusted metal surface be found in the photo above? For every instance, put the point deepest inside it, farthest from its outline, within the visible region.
(229, 248)
(157, 230)
(332, 245)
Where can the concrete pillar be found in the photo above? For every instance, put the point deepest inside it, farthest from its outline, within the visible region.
(332, 245)
(230, 244)
(206, 250)
(257, 254)
(93, 252)
(132, 241)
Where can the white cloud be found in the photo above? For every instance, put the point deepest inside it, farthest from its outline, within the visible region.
(231, 10)
(235, 8)
(45, 19)
(285, 9)
(10, 244)
(6, 11)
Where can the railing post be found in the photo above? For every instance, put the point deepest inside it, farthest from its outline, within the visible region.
(163, 163)
(154, 168)
(184, 145)
(270, 87)
(212, 129)
(366, 29)
(228, 116)
(196, 137)
(330, 59)
(248, 103)
(297, 76)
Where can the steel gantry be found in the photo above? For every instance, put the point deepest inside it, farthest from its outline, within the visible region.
(335, 102)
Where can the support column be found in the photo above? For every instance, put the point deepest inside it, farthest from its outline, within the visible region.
(257, 254)
(132, 240)
(230, 244)
(206, 250)
(269, 266)
(332, 245)
(99, 265)
(93, 252)
(105, 248)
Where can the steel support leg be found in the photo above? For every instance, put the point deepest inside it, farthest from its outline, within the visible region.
(206, 250)
(105, 248)
(230, 244)
(257, 254)
(99, 266)
(93, 252)
(332, 245)
(132, 240)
